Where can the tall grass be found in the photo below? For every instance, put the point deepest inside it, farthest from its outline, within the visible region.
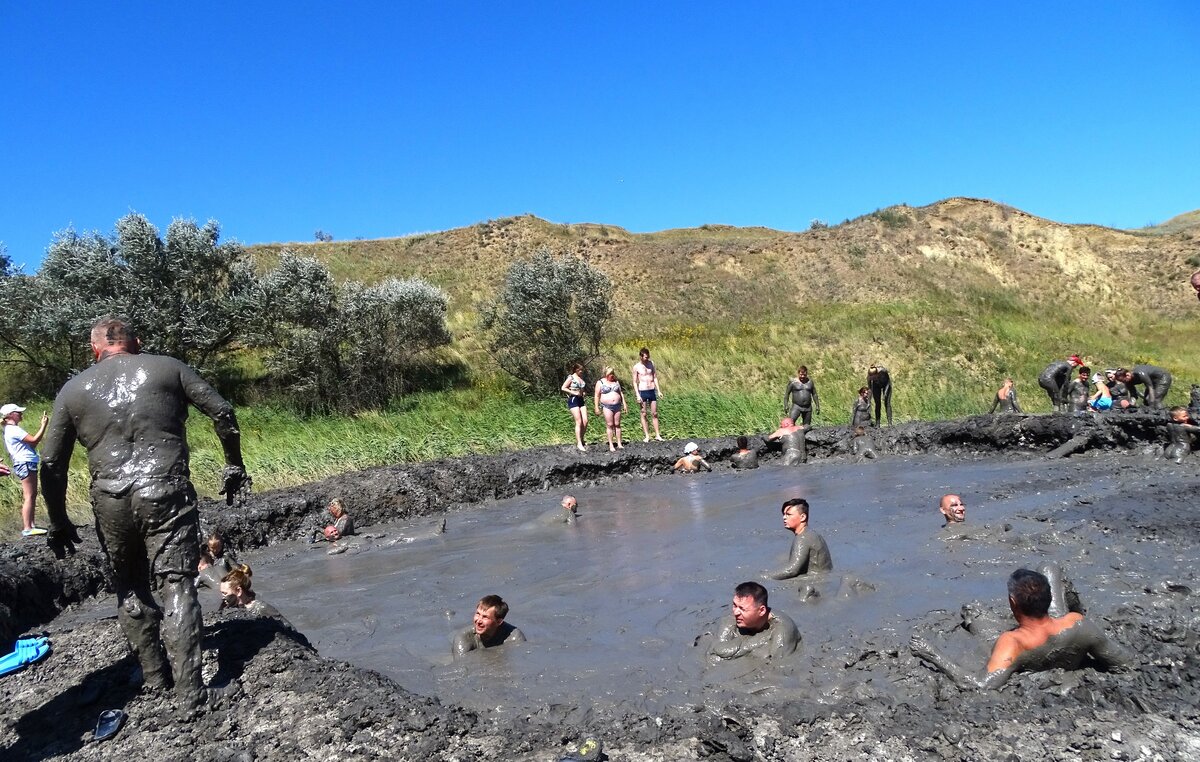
(946, 358)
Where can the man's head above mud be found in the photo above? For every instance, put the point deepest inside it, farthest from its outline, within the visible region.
(953, 509)
(489, 616)
(750, 609)
(1029, 593)
(111, 334)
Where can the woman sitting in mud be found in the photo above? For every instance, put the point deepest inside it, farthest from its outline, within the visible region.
(236, 594)
(791, 436)
(1047, 636)
(342, 526)
(1183, 432)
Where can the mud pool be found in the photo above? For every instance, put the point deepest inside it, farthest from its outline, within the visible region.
(613, 606)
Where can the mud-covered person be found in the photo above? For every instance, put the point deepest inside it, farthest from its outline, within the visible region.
(237, 593)
(488, 628)
(1006, 398)
(566, 513)
(952, 510)
(860, 413)
(800, 398)
(1118, 381)
(692, 460)
(342, 526)
(754, 628)
(862, 445)
(1078, 390)
(215, 562)
(129, 411)
(1182, 430)
(1040, 641)
(809, 552)
(1155, 383)
(792, 438)
(879, 380)
(649, 389)
(1056, 378)
(744, 458)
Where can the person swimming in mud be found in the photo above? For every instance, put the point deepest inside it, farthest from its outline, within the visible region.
(744, 458)
(754, 628)
(800, 398)
(1006, 398)
(863, 445)
(1056, 378)
(809, 553)
(565, 514)
(1182, 431)
(792, 438)
(692, 460)
(953, 510)
(488, 628)
(879, 380)
(1047, 636)
(342, 526)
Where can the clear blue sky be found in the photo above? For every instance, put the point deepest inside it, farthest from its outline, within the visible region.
(380, 119)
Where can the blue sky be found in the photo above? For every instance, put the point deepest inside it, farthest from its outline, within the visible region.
(381, 119)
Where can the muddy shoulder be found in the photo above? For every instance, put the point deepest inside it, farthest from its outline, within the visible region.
(285, 701)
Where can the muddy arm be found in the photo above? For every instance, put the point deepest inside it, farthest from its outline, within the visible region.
(961, 677)
(995, 404)
(728, 643)
(796, 563)
(1012, 396)
(1107, 652)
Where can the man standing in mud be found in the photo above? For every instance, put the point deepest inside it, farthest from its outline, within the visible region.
(129, 411)
(1156, 382)
(1047, 636)
(800, 398)
(753, 627)
(879, 381)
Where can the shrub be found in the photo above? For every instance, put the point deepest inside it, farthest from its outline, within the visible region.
(549, 314)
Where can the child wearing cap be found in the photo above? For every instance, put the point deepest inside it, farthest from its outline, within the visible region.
(21, 446)
(691, 462)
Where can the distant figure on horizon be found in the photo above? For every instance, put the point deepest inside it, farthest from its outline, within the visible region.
(1056, 378)
(1006, 398)
(649, 389)
(880, 382)
(800, 398)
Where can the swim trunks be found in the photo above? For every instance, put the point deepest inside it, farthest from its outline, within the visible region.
(23, 470)
(648, 395)
(574, 401)
(1103, 403)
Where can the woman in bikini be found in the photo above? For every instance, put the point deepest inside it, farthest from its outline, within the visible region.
(611, 397)
(573, 387)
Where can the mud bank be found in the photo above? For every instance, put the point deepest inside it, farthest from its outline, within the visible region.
(877, 703)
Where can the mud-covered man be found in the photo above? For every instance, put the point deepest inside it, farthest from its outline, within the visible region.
(1182, 432)
(809, 552)
(879, 381)
(1047, 636)
(744, 458)
(564, 514)
(953, 510)
(1155, 382)
(488, 628)
(129, 410)
(792, 438)
(800, 398)
(1056, 378)
(753, 628)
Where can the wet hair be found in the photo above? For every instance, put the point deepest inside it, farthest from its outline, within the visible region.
(239, 576)
(1084, 370)
(796, 502)
(1177, 410)
(338, 503)
(1030, 592)
(751, 590)
(495, 602)
(862, 389)
(743, 443)
(213, 538)
(110, 329)
(802, 369)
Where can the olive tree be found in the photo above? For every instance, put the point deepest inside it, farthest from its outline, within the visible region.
(549, 314)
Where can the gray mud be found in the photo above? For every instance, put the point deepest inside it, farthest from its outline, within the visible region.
(612, 607)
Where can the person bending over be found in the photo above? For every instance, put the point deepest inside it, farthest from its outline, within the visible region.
(880, 382)
(753, 628)
(488, 628)
(1056, 378)
(1040, 641)
(1155, 381)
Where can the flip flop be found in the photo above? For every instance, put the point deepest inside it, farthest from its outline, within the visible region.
(28, 651)
(108, 724)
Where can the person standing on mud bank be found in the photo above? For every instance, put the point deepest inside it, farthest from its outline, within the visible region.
(880, 382)
(792, 437)
(860, 414)
(800, 398)
(754, 628)
(1182, 431)
(809, 552)
(22, 448)
(577, 403)
(1006, 398)
(128, 410)
(1156, 382)
(953, 510)
(1056, 378)
(1040, 641)
(488, 628)
(610, 396)
(649, 389)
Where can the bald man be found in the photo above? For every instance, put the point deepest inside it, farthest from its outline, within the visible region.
(953, 509)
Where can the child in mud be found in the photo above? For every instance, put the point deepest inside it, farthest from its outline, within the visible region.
(1047, 636)
(863, 446)
(343, 523)
(1102, 399)
(488, 628)
(744, 457)
(1182, 432)
(215, 562)
(753, 628)
(692, 460)
(1006, 398)
(792, 437)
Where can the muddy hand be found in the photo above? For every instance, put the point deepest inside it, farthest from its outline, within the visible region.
(62, 541)
(235, 484)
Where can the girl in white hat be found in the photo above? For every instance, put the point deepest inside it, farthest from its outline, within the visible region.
(21, 446)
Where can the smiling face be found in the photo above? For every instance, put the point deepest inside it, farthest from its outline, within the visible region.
(954, 509)
(486, 622)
